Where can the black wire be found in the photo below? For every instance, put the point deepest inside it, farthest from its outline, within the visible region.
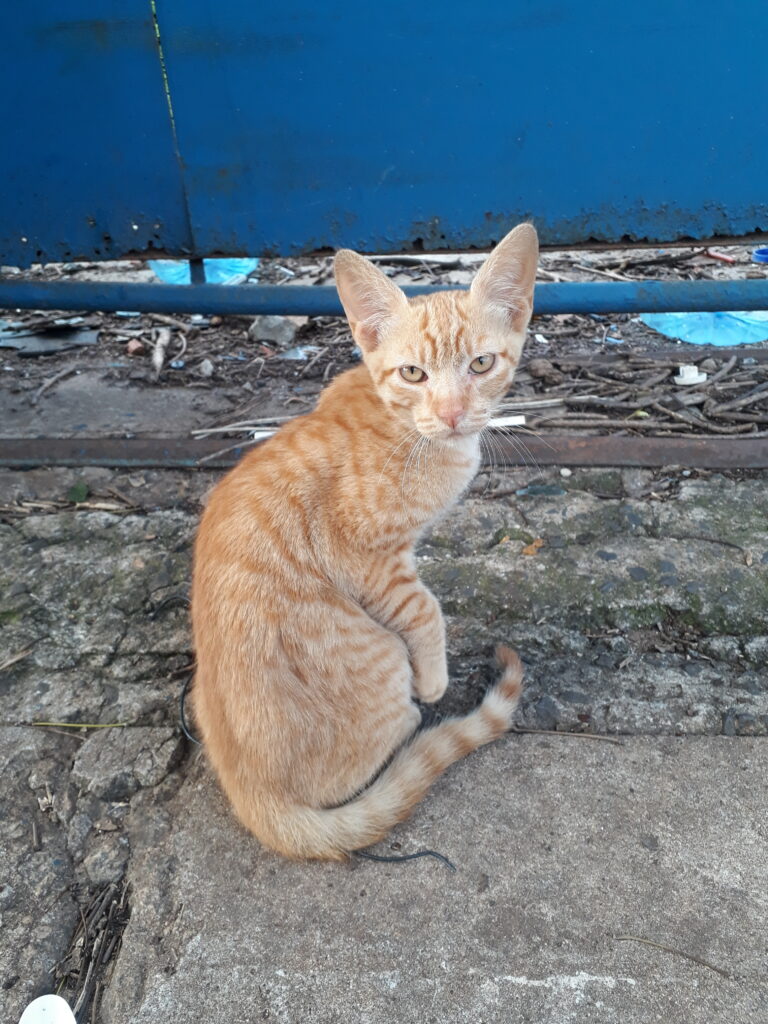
(182, 714)
(172, 601)
(404, 857)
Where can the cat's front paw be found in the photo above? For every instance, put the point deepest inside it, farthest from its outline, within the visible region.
(430, 680)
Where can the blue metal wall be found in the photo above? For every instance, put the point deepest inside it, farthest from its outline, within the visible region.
(88, 167)
(303, 125)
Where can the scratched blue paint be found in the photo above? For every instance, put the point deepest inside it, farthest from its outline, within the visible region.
(379, 126)
(88, 168)
(386, 126)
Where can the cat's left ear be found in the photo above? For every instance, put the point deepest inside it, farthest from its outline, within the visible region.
(369, 298)
(506, 279)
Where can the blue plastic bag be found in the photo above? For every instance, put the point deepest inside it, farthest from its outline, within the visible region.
(216, 271)
(720, 329)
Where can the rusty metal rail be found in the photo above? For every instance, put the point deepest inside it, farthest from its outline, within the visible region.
(555, 450)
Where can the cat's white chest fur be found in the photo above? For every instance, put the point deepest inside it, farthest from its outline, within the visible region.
(449, 472)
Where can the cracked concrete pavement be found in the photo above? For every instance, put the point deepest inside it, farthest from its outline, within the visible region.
(643, 616)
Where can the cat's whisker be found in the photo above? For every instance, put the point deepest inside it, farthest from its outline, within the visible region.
(486, 444)
(520, 446)
(493, 440)
(425, 450)
(403, 499)
(422, 467)
(513, 435)
(538, 436)
(421, 449)
(396, 448)
(497, 449)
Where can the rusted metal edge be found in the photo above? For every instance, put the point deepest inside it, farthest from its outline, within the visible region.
(681, 353)
(555, 450)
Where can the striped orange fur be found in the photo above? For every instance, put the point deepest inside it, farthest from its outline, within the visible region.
(312, 631)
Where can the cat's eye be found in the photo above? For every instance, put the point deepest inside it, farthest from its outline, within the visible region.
(482, 364)
(413, 374)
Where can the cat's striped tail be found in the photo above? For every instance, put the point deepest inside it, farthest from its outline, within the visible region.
(303, 832)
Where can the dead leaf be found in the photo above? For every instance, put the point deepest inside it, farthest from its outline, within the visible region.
(105, 825)
(533, 547)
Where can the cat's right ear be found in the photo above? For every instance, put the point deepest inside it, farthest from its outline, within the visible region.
(369, 298)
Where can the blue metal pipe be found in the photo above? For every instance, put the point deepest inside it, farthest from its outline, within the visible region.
(567, 297)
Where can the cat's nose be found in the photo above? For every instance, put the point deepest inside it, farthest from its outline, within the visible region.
(451, 415)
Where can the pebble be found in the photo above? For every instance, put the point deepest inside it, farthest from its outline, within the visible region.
(106, 863)
(566, 472)
(280, 330)
(205, 369)
(607, 556)
(637, 572)
(135, 347)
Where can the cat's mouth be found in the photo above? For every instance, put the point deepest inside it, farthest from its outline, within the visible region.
(459, 433)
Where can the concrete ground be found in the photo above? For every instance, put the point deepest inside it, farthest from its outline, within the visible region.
(595, 880)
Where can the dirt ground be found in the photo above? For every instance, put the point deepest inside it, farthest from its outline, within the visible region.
(580, 374)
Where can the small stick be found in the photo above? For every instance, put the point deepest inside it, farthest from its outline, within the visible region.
(36, 844)
(709, 540)
(699, 421)
(14, 658)
(719, 256)
(241, 425)
(262, 363)
(755, 395)
(573, 735)
(223, 451)
(313, 360)
(724, 370)
(81, 725)
(677, 952)
(121, 497)
(161, 343)
(63, 732)
(602, 273)
(182, 347)
(171, 321)
(51, 381)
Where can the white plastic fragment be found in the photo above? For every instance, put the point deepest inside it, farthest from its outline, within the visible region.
(688, 375)
(300, 353)
(507, 421)
(48, 1010)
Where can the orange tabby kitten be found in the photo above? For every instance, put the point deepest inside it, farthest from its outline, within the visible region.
(312, 630)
